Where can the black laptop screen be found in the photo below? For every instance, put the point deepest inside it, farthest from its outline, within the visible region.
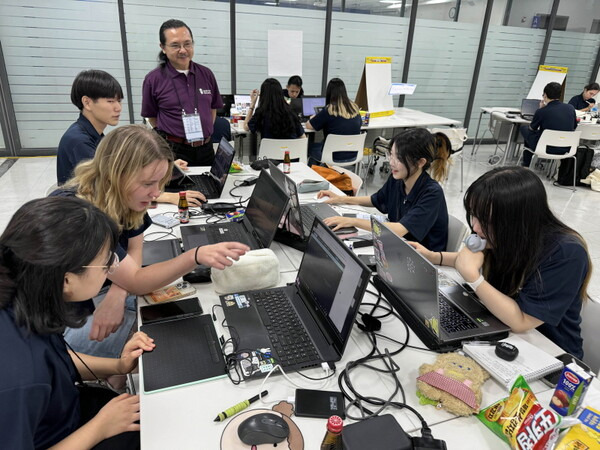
(222, 162)
(334, 282)
(407, 273)
(294, 218)
(266, 207)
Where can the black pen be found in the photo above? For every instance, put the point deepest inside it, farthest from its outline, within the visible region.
(239, 407)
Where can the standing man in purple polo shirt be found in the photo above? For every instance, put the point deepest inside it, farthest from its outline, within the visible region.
(180, 98)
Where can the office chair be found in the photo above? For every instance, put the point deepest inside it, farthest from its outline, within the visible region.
(275, 148)
(339, 143)
(457, 232)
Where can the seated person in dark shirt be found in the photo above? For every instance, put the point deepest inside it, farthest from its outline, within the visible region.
(413, 201)
(535, 270)
(129, 171)
(552, 115)
(98, 97)
(222, 129)
(585, 101)
(274, 118)
(340, 116)
(294, 88)
(57, 252)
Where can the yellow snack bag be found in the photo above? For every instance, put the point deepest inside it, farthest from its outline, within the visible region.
(585, 436)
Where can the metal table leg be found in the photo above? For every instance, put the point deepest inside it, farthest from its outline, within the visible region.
(476, 134)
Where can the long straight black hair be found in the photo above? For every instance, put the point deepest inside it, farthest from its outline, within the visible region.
(171, 23)
(45, 239)
(272, 105)
(511, 206)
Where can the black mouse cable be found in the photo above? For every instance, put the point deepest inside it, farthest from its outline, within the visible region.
(236, 185)
(316, 379)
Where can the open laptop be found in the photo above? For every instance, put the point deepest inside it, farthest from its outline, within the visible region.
(299, 218)
(211, 183)
(439, 310)
(306, 323)
(257, 229)
(309, 105)
(242, 103)
(528, 108)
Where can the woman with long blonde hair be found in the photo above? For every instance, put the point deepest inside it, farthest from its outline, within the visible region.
(130, 169)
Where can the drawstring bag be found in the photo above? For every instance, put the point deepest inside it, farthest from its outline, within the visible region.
(257, 269)
(340, 180)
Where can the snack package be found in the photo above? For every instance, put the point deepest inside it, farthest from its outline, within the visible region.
(521, 421)
(585, 436)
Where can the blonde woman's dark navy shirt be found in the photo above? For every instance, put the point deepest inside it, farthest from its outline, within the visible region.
(39, 403)
(423, 212)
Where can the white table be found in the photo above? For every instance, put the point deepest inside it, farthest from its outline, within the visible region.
(182, 418)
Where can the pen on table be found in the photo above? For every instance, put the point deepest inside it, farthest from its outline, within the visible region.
(239, 407)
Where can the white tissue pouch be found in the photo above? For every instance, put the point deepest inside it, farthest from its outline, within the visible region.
(257, 269)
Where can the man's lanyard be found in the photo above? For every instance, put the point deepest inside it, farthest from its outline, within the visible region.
(192, 125)
(179, 97)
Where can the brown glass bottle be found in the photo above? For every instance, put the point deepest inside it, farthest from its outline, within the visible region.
(184, 209)
(333, 437)
(287, 162)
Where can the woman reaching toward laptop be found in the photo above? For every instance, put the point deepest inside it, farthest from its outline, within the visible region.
(413, 200)
(534, 270)
(129, 171)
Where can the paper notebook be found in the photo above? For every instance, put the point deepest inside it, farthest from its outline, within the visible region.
(531, 362)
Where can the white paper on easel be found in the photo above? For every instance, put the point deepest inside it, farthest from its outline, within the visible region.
(284, 52)
(546, 74)
(378, 72)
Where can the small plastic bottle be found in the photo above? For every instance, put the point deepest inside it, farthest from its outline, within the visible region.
(333, 437)
(184, 210)
(287, 162)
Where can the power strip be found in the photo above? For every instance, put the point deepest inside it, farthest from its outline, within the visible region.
(165, 221)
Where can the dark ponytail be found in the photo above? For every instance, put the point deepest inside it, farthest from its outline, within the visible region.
(171, 23)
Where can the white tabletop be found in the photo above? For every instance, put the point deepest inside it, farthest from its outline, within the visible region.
(182, 418)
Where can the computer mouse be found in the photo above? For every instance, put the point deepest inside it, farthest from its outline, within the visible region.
(263, 428)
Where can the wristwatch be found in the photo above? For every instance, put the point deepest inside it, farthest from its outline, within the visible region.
(475, 284)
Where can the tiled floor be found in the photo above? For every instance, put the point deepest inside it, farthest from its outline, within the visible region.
(30, 178)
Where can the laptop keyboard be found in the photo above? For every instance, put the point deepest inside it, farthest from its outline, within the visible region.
(308, 217)
(204, 184)
(288, 336)
(234, 233)
(452, 319)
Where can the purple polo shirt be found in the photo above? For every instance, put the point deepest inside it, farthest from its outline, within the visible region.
(160, 100)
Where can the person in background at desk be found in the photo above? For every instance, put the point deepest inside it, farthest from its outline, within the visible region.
(552, 115)
(98, 96)
(274, 118)
(130, 169)
(294, 88)
(535, 270)
(180, 98)
(56, 252)
(413, 200)
(340, 116)
(585, 101)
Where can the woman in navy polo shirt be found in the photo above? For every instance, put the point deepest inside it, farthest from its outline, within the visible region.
(585, 101)
(535, 270)
(130, 169)
(274, 118)
(340, 116)
(412, 199)
(294, 88)
(55, 251)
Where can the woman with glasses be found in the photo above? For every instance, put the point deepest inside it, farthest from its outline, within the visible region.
(180, 98)
(534, 270)
(54, 253)
(130, 169)
(413, 200)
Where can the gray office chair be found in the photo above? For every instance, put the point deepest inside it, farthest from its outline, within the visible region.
(457, 232)
(591, 334)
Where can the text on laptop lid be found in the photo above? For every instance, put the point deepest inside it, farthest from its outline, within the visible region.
(410, 275)
(265, 208)
(332, 282)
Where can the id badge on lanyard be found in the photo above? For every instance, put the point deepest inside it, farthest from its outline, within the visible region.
(192, 126)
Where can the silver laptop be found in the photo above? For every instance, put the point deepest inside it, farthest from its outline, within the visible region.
(528, 107)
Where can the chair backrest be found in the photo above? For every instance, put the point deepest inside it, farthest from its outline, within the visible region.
(555, 138)
(275, 148)
(339, 143)
(590, 332)
(589, 131)
(357, 181)
(457, 232)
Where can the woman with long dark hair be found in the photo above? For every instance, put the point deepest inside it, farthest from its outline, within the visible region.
(340, 116)
(534, 270)
(55, 252)
(273, 118)
(413, 200)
